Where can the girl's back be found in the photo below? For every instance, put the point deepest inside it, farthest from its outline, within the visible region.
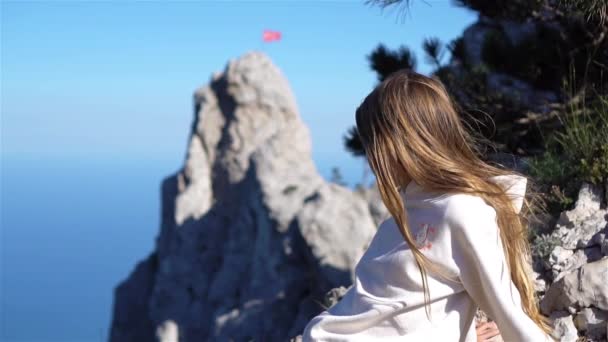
(456, 238)
(457, 232)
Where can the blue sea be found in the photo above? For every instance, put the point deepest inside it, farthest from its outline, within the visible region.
(71, 230)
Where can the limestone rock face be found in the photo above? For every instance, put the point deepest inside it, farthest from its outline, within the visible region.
(251, 235)
(582, 226)
(577, 268)
(584, 287)
(565, 260)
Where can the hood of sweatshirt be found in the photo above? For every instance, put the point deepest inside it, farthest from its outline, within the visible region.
(514, 185)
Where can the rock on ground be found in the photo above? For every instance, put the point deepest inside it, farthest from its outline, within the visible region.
(581, 227)
(563, 327)
(584, 287)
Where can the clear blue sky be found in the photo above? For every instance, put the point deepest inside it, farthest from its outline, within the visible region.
(111, 82)
(114, 80)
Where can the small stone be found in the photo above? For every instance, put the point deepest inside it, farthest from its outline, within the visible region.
(563, 327)
(334, 295)
(559, 255)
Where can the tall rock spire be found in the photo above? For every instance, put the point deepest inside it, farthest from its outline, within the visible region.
(251, 235)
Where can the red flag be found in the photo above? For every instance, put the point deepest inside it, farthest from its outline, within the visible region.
(271, 36)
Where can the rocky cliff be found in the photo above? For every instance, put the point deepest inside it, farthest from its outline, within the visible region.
(251, 236)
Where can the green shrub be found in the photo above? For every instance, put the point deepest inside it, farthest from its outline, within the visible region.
(543, 245)
(577, 153)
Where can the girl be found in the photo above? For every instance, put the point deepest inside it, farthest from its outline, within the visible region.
(456, 239)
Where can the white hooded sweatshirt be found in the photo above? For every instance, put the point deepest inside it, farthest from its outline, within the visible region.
(456, 231)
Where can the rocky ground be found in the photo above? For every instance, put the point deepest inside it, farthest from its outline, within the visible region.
(573, 279)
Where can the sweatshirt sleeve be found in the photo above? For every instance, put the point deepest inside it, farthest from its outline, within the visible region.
(478, 254)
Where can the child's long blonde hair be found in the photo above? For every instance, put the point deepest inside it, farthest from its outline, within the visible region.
(410, 130)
